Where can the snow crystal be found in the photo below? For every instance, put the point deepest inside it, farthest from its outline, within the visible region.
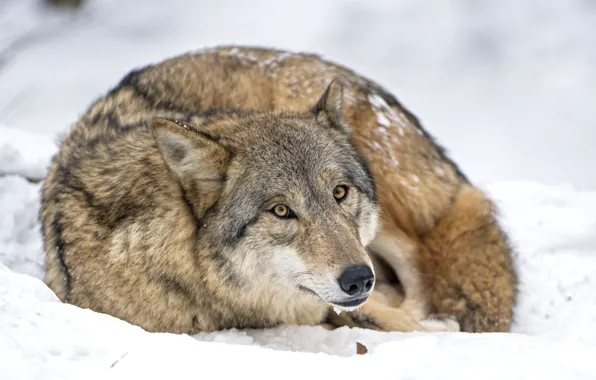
(382, 119)
(386, 114)
(378, 102)
(375, 145)
(282, 56)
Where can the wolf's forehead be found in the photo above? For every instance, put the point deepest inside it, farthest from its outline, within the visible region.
(294, 162)
(298, 156)
(300, 146)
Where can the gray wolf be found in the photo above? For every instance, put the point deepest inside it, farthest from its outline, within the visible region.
(244, 187)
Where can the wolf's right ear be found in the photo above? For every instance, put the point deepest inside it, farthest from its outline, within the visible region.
(195, 158)
(330, 106)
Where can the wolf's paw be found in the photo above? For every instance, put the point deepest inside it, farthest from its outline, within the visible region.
(440, 324)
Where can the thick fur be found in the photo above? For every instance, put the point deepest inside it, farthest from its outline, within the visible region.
(155, 208)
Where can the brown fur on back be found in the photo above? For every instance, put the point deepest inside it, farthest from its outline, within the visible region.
(434, 223)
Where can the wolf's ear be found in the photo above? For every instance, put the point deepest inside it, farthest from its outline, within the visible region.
(330, 106)
(195, 158)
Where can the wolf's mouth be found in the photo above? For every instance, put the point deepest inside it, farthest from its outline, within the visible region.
(350, 303)
(347, 304)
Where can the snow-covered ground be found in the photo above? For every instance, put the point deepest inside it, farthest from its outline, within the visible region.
(508, 86)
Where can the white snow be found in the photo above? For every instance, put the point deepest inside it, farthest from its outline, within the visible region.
(42, 338)
(386, 114)
(25, 152)
(382, 120)
(507, 86)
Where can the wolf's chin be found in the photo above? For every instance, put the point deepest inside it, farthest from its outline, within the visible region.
(355, 303)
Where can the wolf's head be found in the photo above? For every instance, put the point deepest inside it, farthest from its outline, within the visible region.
(282, 200)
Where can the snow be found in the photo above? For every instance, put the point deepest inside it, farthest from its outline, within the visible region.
(439, 171)
(43, 338)
(20, 240)
(507, 86)
(24, 152)
(382, 119)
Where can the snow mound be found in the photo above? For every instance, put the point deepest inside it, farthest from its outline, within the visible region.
(26, 153)
(43, 338)
(20, 239)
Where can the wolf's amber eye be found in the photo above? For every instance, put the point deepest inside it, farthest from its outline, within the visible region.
(283, 211)
(340, 192)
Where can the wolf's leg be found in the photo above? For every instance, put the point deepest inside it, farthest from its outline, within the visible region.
(469, 270)
(400, 254)
(410, 310)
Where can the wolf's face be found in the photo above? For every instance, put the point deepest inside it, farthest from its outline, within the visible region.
(284, 202)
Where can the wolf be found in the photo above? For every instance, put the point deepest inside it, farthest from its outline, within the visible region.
(249, 187)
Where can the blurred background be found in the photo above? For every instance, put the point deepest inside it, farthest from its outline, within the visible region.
(508, 86)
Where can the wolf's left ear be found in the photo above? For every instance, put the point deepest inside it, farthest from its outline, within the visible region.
(196, 159)
(330, 105)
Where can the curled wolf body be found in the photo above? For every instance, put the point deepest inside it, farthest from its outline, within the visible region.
(248, 187)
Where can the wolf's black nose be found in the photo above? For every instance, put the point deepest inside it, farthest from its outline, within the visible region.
(357, 280)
